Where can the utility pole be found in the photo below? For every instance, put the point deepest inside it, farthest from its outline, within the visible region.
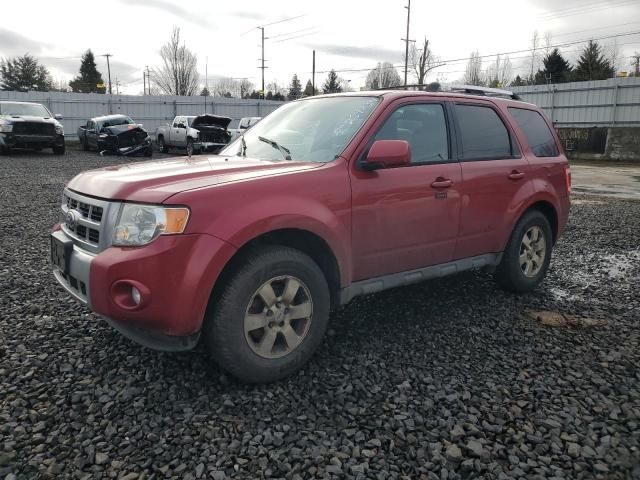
(406, 41)
(313, 74)
(117, 87)
(108, 69)
(206, 83)
(262, 67)
(148, 81)
(144, 82)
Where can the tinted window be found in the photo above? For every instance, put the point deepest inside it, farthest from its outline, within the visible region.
(537, 132)
(424, 127)
(484, 136)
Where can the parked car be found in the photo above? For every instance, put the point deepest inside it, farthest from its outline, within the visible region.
(244, 125)
(201, 133)
(29, 125)
(325, 199)
(115, 135)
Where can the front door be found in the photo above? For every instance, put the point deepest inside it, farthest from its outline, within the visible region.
(407, 218)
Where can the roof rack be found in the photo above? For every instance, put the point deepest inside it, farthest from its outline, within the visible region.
(468, 89)
(485, 91)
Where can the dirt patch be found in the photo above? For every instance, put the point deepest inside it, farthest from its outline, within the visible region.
(557, 319)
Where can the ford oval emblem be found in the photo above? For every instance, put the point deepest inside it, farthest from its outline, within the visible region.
(71, 220)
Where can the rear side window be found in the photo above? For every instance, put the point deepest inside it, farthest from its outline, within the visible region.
(484, 136)
(536, 130)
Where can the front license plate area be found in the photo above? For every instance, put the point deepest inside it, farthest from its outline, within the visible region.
(61, 254)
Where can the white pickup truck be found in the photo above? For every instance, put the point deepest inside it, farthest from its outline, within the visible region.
(245, 123)
(195, 133)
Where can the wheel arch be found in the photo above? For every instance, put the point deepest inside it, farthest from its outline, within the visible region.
(549, 211)
(303, 240)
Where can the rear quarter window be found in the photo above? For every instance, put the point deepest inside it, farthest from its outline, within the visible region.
(536, 131)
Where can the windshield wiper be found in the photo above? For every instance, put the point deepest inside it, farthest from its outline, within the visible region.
(283, 150)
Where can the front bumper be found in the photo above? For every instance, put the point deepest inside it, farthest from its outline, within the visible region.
(144, 148)
(30, 141)
(177, 273)
(209, 146)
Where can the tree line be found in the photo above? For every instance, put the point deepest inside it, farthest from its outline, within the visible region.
(177, 73)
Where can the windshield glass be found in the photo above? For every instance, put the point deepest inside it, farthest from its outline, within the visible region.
(23, 109)
(112, 122)
(316, 129)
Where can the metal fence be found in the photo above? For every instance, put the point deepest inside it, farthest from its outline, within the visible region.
(602, 103)
(151, 111)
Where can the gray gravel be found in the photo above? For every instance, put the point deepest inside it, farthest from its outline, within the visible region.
(444, 380)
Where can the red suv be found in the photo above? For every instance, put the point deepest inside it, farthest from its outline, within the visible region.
(327, 198)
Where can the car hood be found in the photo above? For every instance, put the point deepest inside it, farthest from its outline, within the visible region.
(156, 181)
(28, 118)
(215, 120)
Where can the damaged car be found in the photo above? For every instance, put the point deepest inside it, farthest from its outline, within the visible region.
(201, 133)
(29, 125)
(115, 135)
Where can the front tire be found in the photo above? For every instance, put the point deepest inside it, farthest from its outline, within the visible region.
(270, 316)
(526, 259)
(58, 150)
(189, 147)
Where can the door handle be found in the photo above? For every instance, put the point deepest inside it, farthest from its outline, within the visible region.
(516, 175)
(441, 182)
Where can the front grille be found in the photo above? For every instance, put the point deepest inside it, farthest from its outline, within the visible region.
(28, 128)
(87, 211)
(131, 139)
(83, 219)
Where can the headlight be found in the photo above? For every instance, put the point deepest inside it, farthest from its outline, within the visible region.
(141, 224)
(6, 126)
(59, 129)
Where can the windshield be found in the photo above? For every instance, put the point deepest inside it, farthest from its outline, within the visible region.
(25, 109)
(112, 122)
(316, 129)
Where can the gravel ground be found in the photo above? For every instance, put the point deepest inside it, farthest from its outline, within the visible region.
(443, 380)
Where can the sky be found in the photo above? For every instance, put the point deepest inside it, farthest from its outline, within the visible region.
(349, 36)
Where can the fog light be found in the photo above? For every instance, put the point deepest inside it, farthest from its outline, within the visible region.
(135, 294)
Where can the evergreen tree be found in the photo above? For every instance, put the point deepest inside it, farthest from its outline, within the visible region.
(255, 95)
(518, 82)
(23, 74)
(205, 92)
(592, 65)
(89, 78)
(308, 89)
(332, 83)
(295, 89)
(556, 67)
(278, 96)
(269, 95)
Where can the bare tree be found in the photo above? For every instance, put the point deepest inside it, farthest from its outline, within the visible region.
(548, 43)
(178, 74)
(246, 87)
(226, 87)
(422, 61)
(612, 53)
(382, 76)
(534, 60)
(499, 73)
(276, 87)
(473, 72)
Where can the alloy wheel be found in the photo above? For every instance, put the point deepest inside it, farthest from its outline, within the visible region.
(278, 317)
(533, 251)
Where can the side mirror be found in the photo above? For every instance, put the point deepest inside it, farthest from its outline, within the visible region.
(387, 154)
(57, 116)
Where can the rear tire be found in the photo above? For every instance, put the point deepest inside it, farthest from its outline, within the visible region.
(162, 147)
(250, 329)
(58, 150)
(149, 152)
(4, 151)
(526, 259)
(190, 150)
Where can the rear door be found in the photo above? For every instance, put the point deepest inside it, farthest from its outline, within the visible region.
(494, 177)
(407, 217)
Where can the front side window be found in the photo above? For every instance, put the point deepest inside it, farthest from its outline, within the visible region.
(425, 128)
(484, 135)
(536, 131)
(314, 129)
